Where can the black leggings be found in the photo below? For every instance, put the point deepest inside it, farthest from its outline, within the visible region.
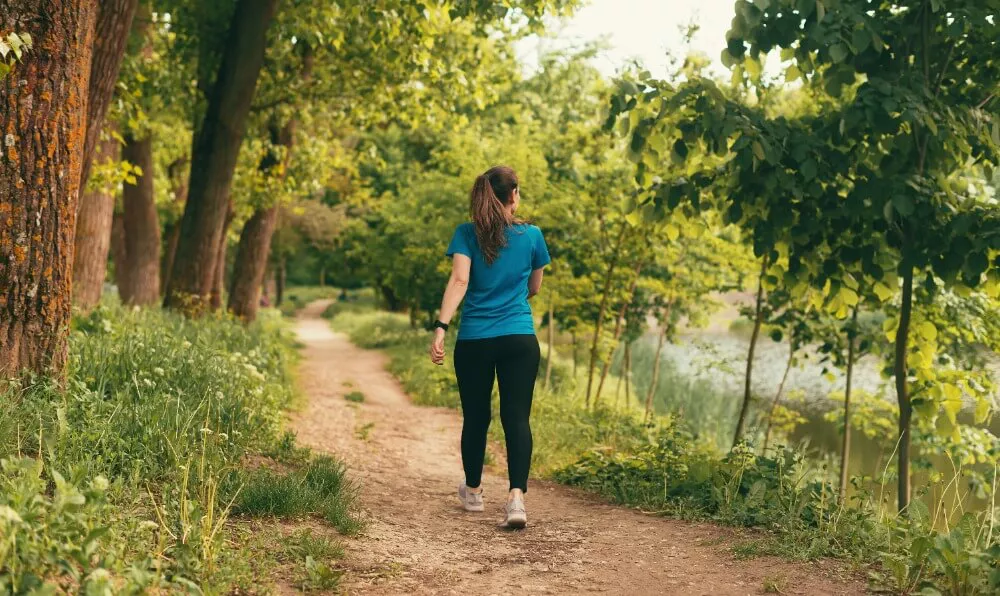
(513, 360)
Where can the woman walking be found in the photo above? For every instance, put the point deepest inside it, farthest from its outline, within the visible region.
(497, 264)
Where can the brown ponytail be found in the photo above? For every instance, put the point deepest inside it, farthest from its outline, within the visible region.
(491, 194)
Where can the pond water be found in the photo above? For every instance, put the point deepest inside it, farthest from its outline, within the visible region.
(702, 378)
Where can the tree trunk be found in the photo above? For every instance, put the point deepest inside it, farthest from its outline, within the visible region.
(251, 260)
(114, 20)
(142, 228)
(757, 320)
(552, 340)
(602, 309)
(178, 182)
(43, 114)
(573, 339)
(255, 238)
(322, 276)
(93, 237)
(628, 372)
(213, 157)
(777, 396)
(845, 449)
(219, 275)
(279, 283)
(118, 253)
(901, 371)
(656, 372)
(392, 302)
(606, 368)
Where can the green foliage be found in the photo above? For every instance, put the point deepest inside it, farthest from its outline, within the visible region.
(123, 476)
(12, 49)
(355, 397)
(47, 533)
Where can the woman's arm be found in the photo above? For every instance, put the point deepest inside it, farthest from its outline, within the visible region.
(454, 293)
(458, 283)
(535, 282)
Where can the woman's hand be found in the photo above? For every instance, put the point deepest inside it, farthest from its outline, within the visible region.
(437, 347)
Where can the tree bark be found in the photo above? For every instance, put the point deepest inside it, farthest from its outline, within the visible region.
(901, 371)
(43, 114)
(142, 228)
(656, 372)
(172, 231)
(93, 237)
(251, 261)
(758, 319)
(118, 251)
(279, 283)
(114, 20)
(551, 340)
(219, 274)
(603, 308)
(777, 396)
(213, 157)
(845, 448)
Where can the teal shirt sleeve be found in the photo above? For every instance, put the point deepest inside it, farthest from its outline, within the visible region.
(540, 253)
(460, 243)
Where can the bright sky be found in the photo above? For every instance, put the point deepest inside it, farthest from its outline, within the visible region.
(643, 29)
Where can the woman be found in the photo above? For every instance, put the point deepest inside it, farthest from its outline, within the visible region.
(497, 264)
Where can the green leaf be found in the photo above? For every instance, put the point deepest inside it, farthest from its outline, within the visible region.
(793, 74)
(809, 169)
(884, 292)
(758, 151)
(903, 204)
(927, 330)
(820, 11)
(861, 39)
(4, 49)
(838, 52)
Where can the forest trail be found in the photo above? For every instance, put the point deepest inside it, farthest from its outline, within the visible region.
(420, 541)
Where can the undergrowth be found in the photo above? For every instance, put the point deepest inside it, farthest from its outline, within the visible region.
(662, 467)
(124, 476)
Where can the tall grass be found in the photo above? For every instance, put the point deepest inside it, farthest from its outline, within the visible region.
(142, 440)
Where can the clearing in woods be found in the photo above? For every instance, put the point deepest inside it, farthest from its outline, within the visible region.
(420, 541)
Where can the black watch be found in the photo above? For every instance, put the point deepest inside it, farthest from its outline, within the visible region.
(440, 325)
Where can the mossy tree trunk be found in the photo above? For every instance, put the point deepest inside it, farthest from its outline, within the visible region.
(43, 115)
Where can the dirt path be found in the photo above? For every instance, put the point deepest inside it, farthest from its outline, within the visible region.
(420, 541)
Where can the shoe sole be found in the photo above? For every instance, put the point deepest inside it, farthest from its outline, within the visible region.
(517, 523)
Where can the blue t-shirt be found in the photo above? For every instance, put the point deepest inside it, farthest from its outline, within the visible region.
(496, 301)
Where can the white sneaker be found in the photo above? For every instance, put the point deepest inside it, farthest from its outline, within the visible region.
(517, 517)
(470, 500)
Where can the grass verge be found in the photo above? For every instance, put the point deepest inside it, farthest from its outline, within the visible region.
(128, 475)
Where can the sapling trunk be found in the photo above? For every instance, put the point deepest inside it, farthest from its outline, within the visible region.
(757, 321)
(901, 371)
(608, 277)
(656, 371)
(845, 449)
(777, 396)
(552, 339)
